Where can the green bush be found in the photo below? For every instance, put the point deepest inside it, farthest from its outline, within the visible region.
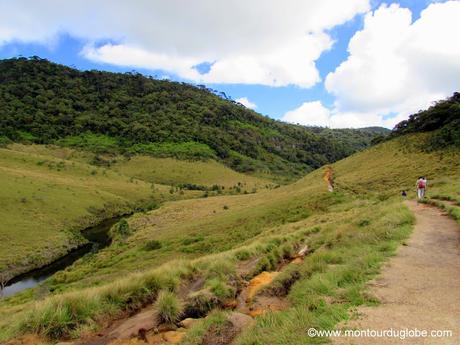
(152, 245)
(185, 150)
(26, 137)
(94, 142)
(4, 141)
(121, 229)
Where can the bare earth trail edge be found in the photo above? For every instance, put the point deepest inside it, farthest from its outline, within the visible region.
(419, 288)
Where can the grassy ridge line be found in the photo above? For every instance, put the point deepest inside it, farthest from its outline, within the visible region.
(390, 167)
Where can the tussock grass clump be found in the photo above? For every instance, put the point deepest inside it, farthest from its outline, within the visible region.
(199, 303)
(63, 315)
(220, 288)
(195, 335)
(287, 250)
(242, 254)
(224, 267)
(168, 307)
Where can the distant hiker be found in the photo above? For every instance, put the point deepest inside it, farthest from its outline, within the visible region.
(329, 178)
(421, 187)
(403, 193)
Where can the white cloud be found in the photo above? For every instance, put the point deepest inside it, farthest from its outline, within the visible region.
(398, 66)
(316, 114)
(246, 102)
(267, 42)
(309, 114)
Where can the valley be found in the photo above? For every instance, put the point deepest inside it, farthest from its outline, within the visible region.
(216, 225)
(349, 233)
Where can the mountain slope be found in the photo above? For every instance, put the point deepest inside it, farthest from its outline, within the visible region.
(349, 233)
(44, 102)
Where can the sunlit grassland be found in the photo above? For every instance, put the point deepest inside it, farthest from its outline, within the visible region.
(188, 229)
(356, 229)
(445, 194)
(349, 243)
(173, 172)
(350, 251)
(167, 171)
(394, 166)
(45, 201)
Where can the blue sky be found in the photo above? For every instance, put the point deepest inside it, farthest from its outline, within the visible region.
(329, 95)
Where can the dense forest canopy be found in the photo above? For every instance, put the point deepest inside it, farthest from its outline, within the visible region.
(442, 117)
(44, 102)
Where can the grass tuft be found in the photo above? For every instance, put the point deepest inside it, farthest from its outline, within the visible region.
(168, 307)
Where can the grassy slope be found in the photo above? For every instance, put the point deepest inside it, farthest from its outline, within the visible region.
(196, 227)
(172, 171)
(167, 171)
(50, 192)
(360, 225)
(45, 200)
(369, 230)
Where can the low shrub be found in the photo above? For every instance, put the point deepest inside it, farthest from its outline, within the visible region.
(152, 245)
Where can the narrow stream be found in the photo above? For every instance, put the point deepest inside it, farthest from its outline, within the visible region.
(98, 236)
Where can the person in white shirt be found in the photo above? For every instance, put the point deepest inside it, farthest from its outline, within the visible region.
(421, 187)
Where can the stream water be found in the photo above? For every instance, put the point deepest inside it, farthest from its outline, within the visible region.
(98, 238)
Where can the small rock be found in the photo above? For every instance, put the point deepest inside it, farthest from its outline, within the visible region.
(188, 322)
(240, 321)
(166, 327)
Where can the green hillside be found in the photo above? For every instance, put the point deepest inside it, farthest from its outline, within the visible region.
(349, 233)
(128, 113)
(49, 194)
(443, 116)
(46, 201)
(189, 174)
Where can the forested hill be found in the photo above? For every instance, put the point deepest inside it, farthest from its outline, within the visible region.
(443, 118)
(44, 102)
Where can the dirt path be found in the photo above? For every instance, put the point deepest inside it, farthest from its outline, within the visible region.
(420, 287)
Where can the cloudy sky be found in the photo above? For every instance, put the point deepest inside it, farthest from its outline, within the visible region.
(347, 63)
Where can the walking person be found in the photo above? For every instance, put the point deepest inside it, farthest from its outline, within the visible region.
(421, 187)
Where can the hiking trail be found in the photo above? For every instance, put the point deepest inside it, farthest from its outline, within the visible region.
(419, 287)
